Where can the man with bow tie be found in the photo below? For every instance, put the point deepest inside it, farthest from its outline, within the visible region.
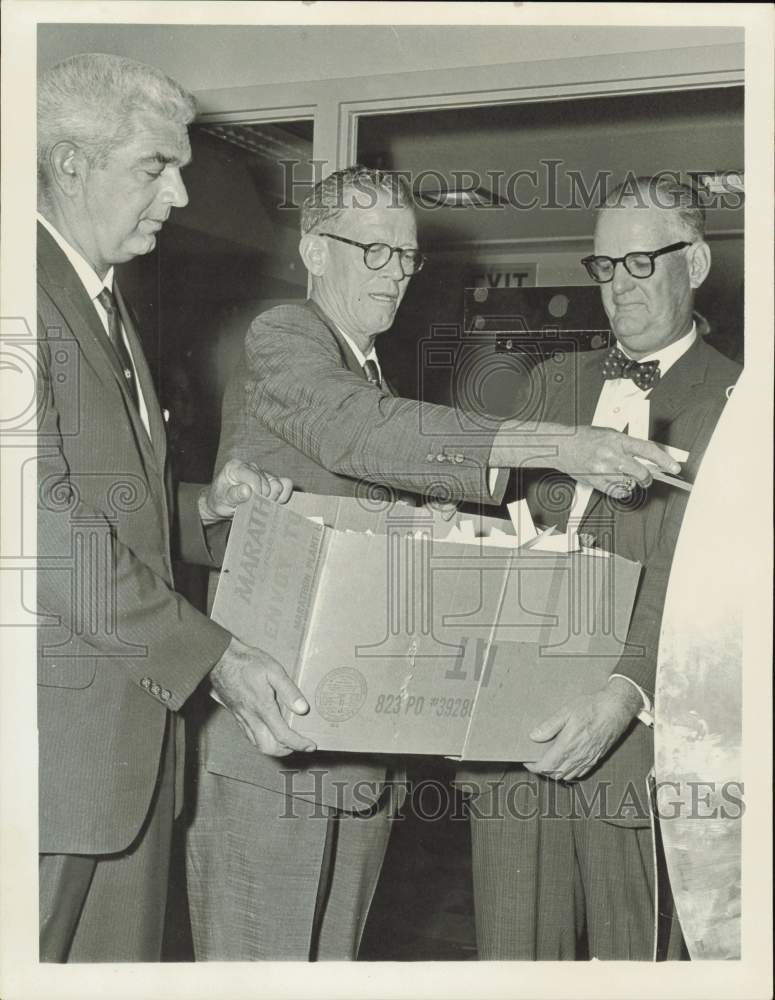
(566, 870)
(284, 854)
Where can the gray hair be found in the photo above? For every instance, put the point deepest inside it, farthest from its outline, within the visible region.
(327, 199)
(93, 100)
(667, 192)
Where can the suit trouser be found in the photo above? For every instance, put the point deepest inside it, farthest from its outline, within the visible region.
(110, 908)
(275, 877)
(544, 877)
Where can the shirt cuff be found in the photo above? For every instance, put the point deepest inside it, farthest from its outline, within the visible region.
(646, 714)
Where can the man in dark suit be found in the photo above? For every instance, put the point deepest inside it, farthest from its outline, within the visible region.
(563, 848)
(283, 859)
(119, 650)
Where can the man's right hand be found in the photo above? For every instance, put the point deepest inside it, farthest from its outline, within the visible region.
(608, 460)
(254, 687)
(601, 458)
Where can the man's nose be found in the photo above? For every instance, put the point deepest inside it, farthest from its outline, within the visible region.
(175, 193)
(393, 266)
(622, 278)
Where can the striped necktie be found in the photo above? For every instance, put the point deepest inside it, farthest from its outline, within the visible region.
(108, 302)
(371, 372)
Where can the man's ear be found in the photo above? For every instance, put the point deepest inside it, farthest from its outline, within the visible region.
(68, 167)
(313, 250)
(699, 263)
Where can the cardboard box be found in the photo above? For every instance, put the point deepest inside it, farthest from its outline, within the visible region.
(404, 643)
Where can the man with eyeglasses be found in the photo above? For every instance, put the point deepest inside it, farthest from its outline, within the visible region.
(284, 855)
(567, 868)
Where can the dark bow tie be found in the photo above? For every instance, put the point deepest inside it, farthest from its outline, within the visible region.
(616, 364)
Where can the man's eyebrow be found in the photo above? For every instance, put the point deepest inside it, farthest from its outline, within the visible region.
(164, 160)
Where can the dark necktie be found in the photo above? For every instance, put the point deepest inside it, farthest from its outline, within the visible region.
(108, 302)
(644, 374)
(371, 372)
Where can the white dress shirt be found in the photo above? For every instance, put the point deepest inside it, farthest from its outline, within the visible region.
(360, 357)
(621, 405)
(94, 285)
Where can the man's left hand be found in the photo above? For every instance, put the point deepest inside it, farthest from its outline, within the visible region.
(237, 482)
(586, 729)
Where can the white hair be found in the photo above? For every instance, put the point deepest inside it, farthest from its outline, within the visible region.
(327, 201)
(93, 100)
(664, 191)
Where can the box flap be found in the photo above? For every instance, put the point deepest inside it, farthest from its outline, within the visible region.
(406, 644)
(537, 667)
(269, 578)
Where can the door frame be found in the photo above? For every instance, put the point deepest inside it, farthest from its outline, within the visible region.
(335, 106)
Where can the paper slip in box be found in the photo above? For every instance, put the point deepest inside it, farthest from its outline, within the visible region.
(404, 643)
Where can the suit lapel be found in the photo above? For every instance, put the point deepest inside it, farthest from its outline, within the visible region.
(666, 400)
(348, 357)
(77, 308)
(670, 394)
(347, 354)
(81, 317)
(667, 397)
(590, 385)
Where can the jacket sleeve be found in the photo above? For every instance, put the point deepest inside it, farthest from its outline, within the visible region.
(549, 493)
(297, 387)
(97, 591)
(194, 543)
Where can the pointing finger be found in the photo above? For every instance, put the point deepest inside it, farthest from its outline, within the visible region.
(652, 453)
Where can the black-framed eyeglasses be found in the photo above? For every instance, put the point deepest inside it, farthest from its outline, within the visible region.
(377, 255)
(639, 263)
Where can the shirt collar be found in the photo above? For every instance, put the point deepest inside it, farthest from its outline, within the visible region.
(86, 273)
(360, 357)
(667, 356)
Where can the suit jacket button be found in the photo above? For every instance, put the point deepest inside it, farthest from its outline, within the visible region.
(155, 690)
(145, 682)
(441, 458)
(165, 694)
(459, 459)
(429, 458)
